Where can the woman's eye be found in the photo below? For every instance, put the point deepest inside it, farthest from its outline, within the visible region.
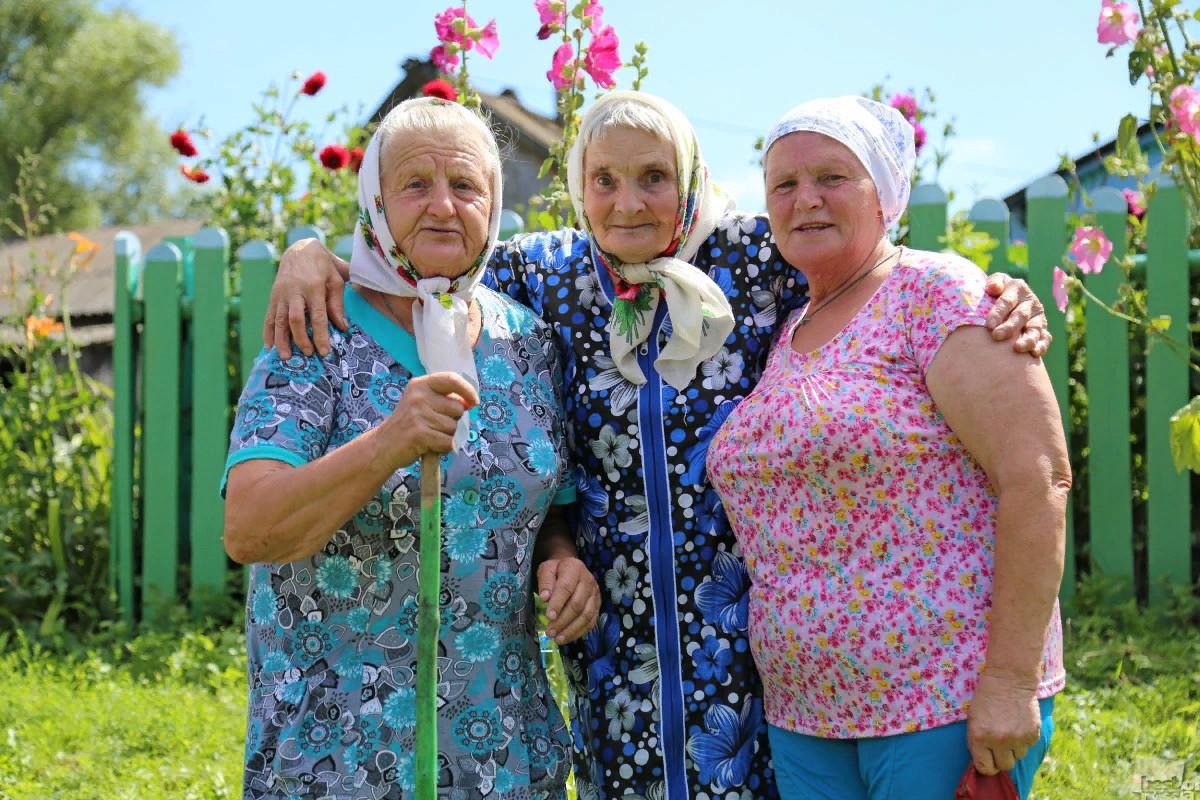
(604, 180)
(833, 178)
(415, 183)
(783, 186)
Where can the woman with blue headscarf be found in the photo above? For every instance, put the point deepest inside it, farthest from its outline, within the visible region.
(898, 486)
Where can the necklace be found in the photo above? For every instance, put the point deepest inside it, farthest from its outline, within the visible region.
(806, 315)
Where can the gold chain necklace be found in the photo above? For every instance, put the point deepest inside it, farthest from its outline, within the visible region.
(806, 315)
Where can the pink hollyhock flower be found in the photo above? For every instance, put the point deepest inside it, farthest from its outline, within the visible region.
(562, 69)
(314, 83)
(1185, 109)
(443, 59)
(592, 16)
(551, 12)
(487, 39)
(1090, 249)
(602, 58)
(906, 104)
(1135, 201)
(919, 135)
(1118, 23)
(1060, 289)
(444, 25)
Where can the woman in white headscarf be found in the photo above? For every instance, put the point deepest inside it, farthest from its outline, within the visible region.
(665, 304)
(898, 486)
(323, 500)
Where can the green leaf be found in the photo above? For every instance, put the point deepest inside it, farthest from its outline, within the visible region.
(1127, 143)
(1185, 436)
(1138, 60)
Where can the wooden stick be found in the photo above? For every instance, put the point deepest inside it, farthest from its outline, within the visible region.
(428, 625)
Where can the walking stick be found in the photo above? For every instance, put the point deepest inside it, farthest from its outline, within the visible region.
(428, 622)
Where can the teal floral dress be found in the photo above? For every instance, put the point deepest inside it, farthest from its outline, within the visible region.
(331, 639)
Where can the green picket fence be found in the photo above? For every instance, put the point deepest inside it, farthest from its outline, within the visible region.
(176, 375)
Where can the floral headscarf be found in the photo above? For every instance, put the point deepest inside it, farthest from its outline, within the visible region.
(701, 317)
(441, 312)
(877, 134)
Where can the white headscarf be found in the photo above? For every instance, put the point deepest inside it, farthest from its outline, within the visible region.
(441, 313)
(878, 134)
(701, 317)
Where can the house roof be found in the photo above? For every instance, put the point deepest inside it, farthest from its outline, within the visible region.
(506, 107)
(90, 290)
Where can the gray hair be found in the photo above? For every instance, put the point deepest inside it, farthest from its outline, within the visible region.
(432, 114)
(630, 114)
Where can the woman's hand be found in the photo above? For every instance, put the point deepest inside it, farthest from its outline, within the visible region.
(309, 284)
(427, 414)
(1017, 312)
(1004, 721)
(572, 597)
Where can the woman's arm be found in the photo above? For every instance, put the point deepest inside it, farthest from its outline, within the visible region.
(277, 513)
(1002, 407)
(308, 285)
(565, 585)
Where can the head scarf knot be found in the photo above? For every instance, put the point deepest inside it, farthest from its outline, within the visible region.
(701, 317)
(877, 134)
(442, 310)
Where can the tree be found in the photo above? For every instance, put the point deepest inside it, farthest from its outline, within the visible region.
(71, 80)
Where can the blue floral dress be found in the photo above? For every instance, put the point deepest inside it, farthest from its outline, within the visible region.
(666, 702)
(331, 639)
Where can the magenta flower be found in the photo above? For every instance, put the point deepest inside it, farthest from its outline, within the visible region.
(562, 69)
(1060, 289)
(602, 58)
(444, 24)
(1090, 249)
(487, 39)
(906, 104)
(443, 59)
(551, 12)
(919, 135)
(592, 16)
(1118, 23)
(1185, 109)
(1135, 201)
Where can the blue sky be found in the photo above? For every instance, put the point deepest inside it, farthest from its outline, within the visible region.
(1024, 82)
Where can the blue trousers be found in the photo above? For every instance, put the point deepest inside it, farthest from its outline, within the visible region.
(925, 765)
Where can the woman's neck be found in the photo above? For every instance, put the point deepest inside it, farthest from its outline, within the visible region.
(826, 279)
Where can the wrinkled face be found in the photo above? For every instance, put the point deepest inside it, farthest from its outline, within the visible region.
(822, 203)
(437, 196)
(631, 193)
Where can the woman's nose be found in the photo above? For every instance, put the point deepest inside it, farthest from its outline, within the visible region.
(628, 199)
(441, 200)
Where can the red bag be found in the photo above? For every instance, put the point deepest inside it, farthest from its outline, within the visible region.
(975, 786)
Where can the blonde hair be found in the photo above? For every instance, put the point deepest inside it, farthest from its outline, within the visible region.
(625, 113)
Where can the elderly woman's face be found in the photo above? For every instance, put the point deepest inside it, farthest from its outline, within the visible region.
(822, 202)
(437, 196)
(630, 193)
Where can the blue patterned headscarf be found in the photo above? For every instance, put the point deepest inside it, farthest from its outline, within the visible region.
(877, 134)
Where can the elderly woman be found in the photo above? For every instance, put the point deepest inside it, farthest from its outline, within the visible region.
(322, 498)
(665, 304)
(898, 486)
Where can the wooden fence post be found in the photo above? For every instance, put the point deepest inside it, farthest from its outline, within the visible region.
(991, 217)
(121, 570)
(1110, 480)
(160, 430)
(210, 413)
(927, 217)
(1169, 513)
(1046, 208)
(256, 263)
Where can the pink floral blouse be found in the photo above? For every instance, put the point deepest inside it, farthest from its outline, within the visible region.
(867, 527)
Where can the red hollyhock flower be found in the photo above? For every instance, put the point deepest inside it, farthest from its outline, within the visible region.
(356, 157)
(314, 83)
(183, 143)
(194, 174)
(440, 88)
(334, 156)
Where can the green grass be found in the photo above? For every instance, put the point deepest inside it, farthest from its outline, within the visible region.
(163, 716)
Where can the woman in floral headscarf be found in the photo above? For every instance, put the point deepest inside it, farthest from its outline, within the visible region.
(898, 487)
(665, 304)
(323, 500)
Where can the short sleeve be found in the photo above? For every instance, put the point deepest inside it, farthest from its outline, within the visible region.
(286, 411)
(946, 292)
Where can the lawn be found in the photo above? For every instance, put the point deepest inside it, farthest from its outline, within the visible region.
(163, 716)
